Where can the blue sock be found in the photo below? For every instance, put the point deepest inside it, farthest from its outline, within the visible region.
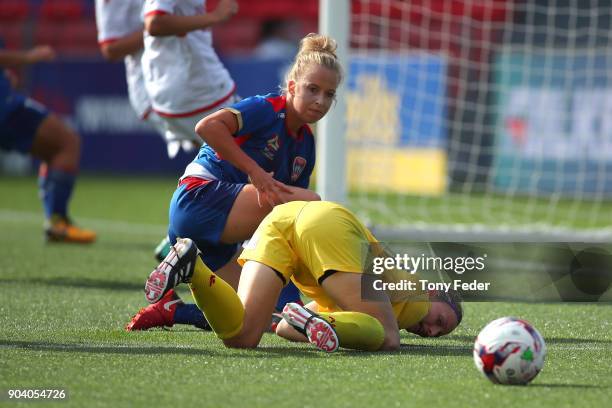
(55, 191)
(188, 313)
(290, 293)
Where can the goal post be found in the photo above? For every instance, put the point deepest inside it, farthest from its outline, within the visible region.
(334, 20)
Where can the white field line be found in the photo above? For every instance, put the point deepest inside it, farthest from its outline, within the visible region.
(122, 227)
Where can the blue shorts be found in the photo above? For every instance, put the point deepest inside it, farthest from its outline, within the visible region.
(18, 129)
(199, 210)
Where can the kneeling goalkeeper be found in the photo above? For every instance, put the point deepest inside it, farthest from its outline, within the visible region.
(320, 247)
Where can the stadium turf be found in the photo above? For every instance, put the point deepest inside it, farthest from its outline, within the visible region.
(63, 309)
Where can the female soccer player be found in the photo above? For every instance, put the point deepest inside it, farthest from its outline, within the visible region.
(182, 73)
(120, 36)
(264, 140)
(28, 127)
(319, 246)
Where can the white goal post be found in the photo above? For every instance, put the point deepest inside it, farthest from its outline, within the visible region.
(334, 20)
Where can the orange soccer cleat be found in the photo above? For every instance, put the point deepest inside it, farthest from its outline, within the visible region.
(61, 229)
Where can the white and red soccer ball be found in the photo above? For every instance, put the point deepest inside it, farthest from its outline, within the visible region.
(509, 350)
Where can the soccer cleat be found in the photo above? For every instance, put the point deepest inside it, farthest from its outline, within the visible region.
(160, 314)
(318, 331)
(61, 229)
(177, 267)
(162, 249)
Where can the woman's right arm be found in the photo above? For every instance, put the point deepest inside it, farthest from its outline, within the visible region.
(217, 131)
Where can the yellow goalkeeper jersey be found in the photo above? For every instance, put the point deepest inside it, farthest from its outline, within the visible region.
(305, 241)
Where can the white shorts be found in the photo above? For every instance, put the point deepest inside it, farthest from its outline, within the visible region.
(180, 132)
(157, 122)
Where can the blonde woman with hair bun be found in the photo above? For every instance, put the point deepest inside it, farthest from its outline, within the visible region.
(257, 153)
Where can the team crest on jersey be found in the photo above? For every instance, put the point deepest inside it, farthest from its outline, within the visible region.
(271, 148)
(299, 164)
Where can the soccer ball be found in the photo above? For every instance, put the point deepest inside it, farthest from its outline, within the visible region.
(509, 350)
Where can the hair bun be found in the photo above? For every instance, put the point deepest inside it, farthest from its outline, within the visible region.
(318, 43)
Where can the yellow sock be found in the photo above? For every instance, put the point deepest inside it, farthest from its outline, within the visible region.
(220, 303)
(356, 330)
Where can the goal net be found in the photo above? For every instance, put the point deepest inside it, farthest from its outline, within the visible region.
(479, 120)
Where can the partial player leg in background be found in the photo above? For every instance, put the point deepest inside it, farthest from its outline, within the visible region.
(162, 249)
(32, 129)
(59, 148)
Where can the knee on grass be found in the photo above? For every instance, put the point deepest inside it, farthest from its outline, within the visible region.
(242, 341)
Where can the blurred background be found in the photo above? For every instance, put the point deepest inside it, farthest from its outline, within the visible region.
(256, 46)
(461, 115)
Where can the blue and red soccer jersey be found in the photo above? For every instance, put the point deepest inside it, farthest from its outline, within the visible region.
(264, 136)
(201, 204)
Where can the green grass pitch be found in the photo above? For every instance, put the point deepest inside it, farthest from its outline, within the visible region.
(63, 309)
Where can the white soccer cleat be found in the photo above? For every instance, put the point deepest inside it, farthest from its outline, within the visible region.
(318, 331)
(177, 267)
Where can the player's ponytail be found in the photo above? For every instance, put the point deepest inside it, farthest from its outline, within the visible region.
(314, 49)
